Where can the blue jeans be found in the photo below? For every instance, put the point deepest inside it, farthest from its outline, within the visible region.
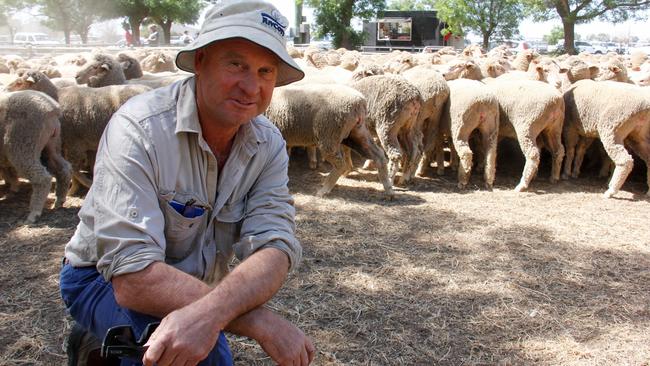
(91, 302)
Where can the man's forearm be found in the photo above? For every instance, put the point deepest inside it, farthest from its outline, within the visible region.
(158, 290)
(250, 285)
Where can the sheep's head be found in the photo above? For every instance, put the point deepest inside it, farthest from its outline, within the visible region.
(26, 81)
(94, 72)
(368, 70)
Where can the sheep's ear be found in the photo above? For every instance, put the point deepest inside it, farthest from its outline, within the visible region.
(30, 79)
(539, 68)
(615, 69)
(564, 70)
(491, 68)
(106, 66)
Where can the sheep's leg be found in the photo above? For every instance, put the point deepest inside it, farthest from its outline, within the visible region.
(429, 143)
(531, 152)
(465, 155)
(60, 169)
(623, 160)
(40, 180)
(553, 141)
(571, 139)
(606, 166)
(312, 153)
(392, 148)
(409, 141)
(642, 148)
(583, 145)
(340, 167)
(489, 140)
(11, 179)
(347, 155)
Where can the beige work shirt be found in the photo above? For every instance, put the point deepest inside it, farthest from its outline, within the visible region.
(152, 152)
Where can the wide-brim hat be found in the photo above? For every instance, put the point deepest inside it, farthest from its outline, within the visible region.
(257, 21)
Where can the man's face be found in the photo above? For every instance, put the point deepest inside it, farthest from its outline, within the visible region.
(234, 81)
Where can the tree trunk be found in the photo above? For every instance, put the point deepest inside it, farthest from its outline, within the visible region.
(66, 35)
(346, 18)
(486, 41)
(167, 31)
(135, 30)
(569, 35)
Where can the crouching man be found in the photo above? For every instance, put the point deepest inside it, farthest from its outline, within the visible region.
(187, 176)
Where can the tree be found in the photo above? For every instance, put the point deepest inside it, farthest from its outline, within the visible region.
(135, 12)
(411, 5)
(165, 12)
(7, 9)
(67, 15)
(333, 18)
(555, 35)
(574, 12)
(490, 18)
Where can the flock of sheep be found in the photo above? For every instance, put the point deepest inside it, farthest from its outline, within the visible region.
(401, 111)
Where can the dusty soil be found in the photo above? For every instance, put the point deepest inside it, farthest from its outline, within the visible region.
(557, 275)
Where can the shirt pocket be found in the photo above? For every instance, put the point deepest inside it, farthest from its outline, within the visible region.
(229, 223)
(182, 234)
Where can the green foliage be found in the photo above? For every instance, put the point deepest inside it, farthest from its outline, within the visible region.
(67, 15)
(573, 12)
(333, 19)
(166, 12)
(556, 34)
(490, 18)
(411, 5)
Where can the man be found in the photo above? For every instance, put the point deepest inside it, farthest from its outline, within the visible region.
(186, 176)
(154, 37)
(186, 38)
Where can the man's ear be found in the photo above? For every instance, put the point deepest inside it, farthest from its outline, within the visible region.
(199, 57)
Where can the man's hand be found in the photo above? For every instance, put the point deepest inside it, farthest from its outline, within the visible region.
(184, 337)
(286, 344)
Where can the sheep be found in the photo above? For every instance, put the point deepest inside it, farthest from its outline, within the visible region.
(471, 106)
(393, 103)
(130, 66)
(30, 133)
(528, 110)
(618, 114)
(327, 116)
(158, 62)
(523, 60)
(434, 91)
(613, 70)
(103, 70)
(466, 69)
(84, 114)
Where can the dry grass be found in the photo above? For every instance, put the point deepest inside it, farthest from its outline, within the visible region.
(556, 276)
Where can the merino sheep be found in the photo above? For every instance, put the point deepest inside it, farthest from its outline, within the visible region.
(30, 133)
(618, 114)
(130, 66)
(327, 116)
(158, 61)
(523, 59)
(529, 110)
(393, 103)
(84, 114)
(434, 91)
(471, 106)
(102, 70)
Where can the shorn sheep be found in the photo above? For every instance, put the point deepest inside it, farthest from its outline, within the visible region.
(327, 116)
(471, 106)
(393, 105)
(102, 70)
(434, 91)
(84, 115)
(530, 110)
(618, 114)
(30, 135)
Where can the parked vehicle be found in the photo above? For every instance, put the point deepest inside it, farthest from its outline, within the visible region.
(34, 39)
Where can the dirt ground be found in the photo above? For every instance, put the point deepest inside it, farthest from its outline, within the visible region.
(554, 276)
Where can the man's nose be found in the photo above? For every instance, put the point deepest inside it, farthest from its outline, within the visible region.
(250, 83)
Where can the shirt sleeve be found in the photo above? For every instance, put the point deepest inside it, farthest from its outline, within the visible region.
(128, 222)
(269, 220)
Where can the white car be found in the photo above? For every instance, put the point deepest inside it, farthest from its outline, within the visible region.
(34, 39)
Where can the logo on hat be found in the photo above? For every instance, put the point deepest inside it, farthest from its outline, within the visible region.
(275, 21)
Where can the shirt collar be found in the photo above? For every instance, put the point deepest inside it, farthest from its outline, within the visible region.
(188, 116)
